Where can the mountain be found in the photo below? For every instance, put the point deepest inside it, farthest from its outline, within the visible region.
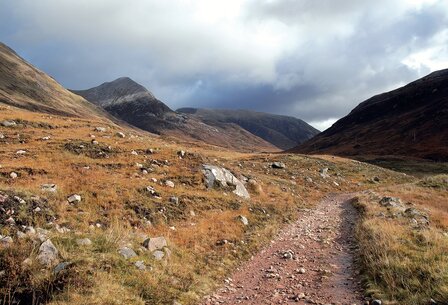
(131, 102)
(283, 132)
(24, 86)
(409, 121)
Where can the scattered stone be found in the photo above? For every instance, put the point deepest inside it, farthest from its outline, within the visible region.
(120, 134)
(279, 165)
(75, 198)
(192, 213)
(140, 265)
(60, 267)
(155, 243)
(376, 302)
(127, 252)
(221, 177)
(174, 200)
(94, 142)
(7, 123)
(83, 242)
(134, 153)
(288, 254)
(158, 255)
(390, 202)
(324, 173)
(46, 138)
(301, 271)
(13, 175)
(309, 179)
(49, 187)
(181, 154)
(243, 220)
(6, 241)
(100, 129)
(169, 183)
(21, 152)
(48, 254)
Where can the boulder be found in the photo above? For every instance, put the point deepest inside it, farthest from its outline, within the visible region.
(48, 254)
(155, 243)
(221, 177)
(7, 123)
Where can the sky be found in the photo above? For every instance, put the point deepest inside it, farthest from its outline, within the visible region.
(315, 60)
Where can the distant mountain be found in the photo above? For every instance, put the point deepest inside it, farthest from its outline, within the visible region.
(133, 103)
(283, 132)
(409, 121)
(24, 86)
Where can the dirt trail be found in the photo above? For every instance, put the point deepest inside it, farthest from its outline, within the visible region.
(309, 262)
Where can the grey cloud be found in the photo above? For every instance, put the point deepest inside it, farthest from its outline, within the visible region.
(312, 59)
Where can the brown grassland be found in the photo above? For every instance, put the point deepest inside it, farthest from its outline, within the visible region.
(399, 263)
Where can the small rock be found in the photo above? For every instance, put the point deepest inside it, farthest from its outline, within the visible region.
(155, 243)
(7, 123)
(60, 267)
(169, 183)
(279, 165)
(376, 302)
(127, 252)
(13, 175)
(174, 200)
(100, 129)
(140, 265)
(83, 242)
(46, 138)
(243, 220)
(324, 173)
(181, 154)
(6, 241)
(301, 271)
(48, 254)
(49, 187)
(134, 153)
(120, 134)
(21, 152)
(75, 198)
(158, 255)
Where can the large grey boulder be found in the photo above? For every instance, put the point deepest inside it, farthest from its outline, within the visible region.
(221, 177)
(127, 252)
(48, 254)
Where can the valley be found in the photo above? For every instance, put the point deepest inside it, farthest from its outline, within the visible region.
(111, 197)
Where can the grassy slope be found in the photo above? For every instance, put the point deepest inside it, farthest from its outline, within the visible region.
(111, 194)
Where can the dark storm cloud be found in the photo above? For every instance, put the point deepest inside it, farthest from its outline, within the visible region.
(312, 59)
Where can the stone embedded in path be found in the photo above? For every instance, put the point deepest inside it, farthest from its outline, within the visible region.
(220, 177)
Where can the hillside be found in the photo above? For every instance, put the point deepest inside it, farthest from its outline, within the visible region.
(24, 86)
(282, 131)
(409, 121)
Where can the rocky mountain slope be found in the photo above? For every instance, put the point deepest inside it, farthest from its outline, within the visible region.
(133, 103)
(282, 131)
(409, 121)
(24, 86)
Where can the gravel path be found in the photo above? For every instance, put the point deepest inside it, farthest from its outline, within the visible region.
(309, 262)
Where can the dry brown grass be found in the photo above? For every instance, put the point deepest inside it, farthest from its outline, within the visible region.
(111, 196)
